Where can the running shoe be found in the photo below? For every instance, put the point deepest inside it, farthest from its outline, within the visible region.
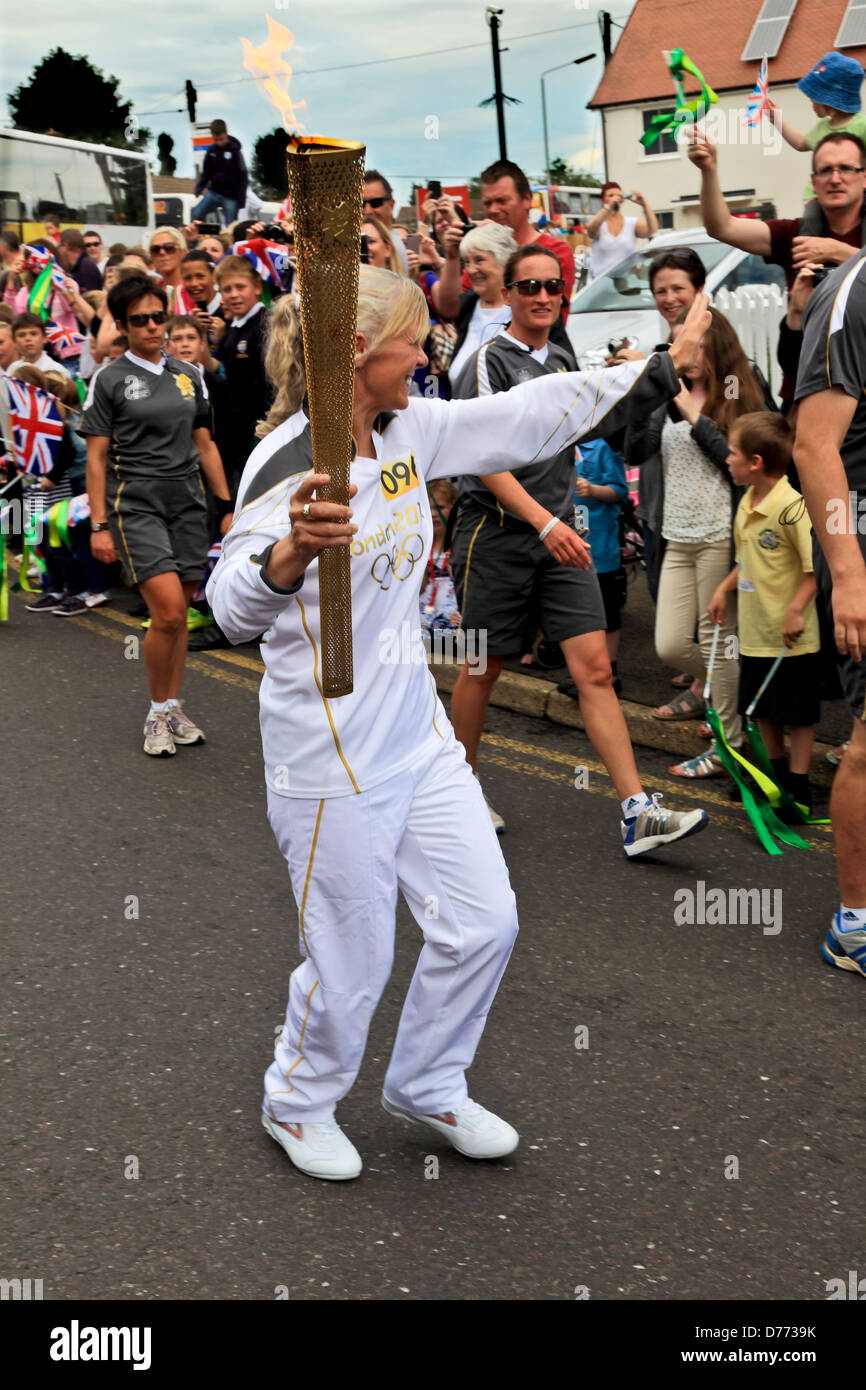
(45, 603)
(70, 606)
(471, 1130)
(158, 740)
(847, 949)
(183, 730)
(321, 1150)
(657, 826)
(96, 600)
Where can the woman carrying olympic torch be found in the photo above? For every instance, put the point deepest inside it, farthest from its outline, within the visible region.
(371, 793)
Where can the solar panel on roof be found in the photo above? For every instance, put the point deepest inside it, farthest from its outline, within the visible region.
(769, 30)
(852, 30)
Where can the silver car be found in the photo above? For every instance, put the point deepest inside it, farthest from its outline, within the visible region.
(619, 303)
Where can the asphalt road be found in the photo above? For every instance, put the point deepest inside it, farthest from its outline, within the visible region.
(138, 1043)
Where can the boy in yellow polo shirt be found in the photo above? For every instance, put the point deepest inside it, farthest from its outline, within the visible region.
(776, 590)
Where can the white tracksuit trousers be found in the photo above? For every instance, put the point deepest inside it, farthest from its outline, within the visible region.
(427, 832)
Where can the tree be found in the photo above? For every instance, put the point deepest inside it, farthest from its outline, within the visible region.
(67, 96)
(167, 161)
(562, 175)
(268, 174)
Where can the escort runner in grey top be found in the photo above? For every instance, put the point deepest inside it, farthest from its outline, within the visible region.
(148, 417)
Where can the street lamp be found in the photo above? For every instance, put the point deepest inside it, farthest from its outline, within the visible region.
(585, 59)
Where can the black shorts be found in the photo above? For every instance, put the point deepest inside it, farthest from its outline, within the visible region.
(793, 695)
(501, 576)
(159, 526)
(852, 673)
(614, 591)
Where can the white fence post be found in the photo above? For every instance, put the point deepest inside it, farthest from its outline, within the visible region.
(755, 312)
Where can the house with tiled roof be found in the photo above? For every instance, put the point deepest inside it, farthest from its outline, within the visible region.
(759, 173)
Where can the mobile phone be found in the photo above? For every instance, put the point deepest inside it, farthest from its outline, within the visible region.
(819, 275)
(434, 188)
(210, 228)
(413, 242)
(365, 255)
(461, 213)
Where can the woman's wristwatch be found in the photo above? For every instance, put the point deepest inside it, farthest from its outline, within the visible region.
(98, 526)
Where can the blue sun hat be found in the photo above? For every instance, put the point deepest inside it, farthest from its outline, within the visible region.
(834, 81)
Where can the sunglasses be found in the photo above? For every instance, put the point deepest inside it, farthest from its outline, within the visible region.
(93, 243)
(532, 287)
(163, 246)
(374, 202)
(142, 320)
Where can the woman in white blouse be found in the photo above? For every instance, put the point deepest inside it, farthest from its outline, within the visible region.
(694, 515)
(613, 236)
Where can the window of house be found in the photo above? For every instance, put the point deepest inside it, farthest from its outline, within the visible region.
(666, 142)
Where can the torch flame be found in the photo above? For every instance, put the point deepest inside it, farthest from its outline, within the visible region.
(273, 73)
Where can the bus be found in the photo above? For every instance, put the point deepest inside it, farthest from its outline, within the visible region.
(81, 184)
(564, 204)
(175, 210)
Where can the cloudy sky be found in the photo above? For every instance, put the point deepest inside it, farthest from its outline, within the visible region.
(437, 65)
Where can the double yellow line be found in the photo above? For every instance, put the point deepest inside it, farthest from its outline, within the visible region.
(525, 759)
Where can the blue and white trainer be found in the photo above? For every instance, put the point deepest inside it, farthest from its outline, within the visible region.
(847, 949)
(471, 1129)
(656, 826)
(321, 1150)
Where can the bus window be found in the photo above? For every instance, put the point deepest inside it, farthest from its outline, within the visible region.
(78, 185)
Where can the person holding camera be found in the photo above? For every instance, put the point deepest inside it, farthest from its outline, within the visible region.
(613, 236)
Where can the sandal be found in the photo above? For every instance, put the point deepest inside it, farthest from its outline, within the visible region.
(707, 764)
(836, 755)
(682, 681)
(687, 706)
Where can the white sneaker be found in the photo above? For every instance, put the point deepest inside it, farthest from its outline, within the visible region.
(472, 1130)
(158, 740)
(496, 820)
(322, 1150)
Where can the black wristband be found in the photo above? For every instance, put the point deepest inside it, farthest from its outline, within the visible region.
(224, 506)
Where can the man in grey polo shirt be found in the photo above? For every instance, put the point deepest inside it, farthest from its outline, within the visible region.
(830, 454)
(515, 546)
(148, 425)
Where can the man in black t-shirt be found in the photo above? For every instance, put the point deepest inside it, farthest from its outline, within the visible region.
(147, 419)
(830, 454)
(515, 547)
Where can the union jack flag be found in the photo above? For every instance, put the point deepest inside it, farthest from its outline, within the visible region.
(759, 101)
(269, 258)
(36, 426)
(60, 337)
(213, 555)
(38, 258)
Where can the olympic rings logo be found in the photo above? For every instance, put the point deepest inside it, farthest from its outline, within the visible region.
(397, 564)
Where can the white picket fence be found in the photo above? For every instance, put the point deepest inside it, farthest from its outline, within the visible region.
(755, 311)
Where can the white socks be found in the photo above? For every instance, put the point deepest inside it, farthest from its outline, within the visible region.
(633, 805)
(163, 706)
(852, 918)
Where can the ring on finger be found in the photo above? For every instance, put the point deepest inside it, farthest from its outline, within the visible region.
(306, 512)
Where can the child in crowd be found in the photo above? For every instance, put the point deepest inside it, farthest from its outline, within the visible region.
(28, 330)
(776, 590)
(240, 348)
(438, 599)
(833, 87)
(602, 489)
(73, 580)
(186, 339)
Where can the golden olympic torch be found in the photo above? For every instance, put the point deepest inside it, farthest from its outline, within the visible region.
(326, 179)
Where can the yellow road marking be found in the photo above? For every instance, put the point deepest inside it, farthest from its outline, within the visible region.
(675, 785)
(605, 789)
(233, 658)
(489, 741)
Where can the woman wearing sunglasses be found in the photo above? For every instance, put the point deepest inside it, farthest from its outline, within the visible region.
(167, 249)
(148, 415)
